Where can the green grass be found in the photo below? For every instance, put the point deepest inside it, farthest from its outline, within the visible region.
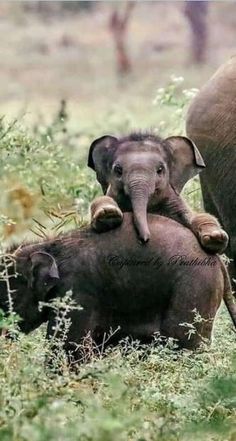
(135, 393)
(132, 393)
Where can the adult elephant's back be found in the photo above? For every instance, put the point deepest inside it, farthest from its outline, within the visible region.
(211, 124)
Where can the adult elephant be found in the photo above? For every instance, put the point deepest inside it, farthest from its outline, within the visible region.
(211, 124)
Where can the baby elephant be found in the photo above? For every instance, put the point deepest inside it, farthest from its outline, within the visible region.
(144, 173)
(121, 285)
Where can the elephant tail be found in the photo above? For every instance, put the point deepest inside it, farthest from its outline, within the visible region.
(228, 296)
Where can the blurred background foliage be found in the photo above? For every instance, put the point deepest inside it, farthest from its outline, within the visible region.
(70, 50)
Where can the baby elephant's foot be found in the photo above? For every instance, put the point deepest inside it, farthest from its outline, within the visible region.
(215, 240)
(209, 232)
(105, 214)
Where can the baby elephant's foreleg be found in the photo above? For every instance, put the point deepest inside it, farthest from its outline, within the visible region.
(105, 214)
(209, 232)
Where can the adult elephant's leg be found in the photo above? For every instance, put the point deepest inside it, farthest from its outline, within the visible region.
(208, 202)
(210, 206)
(208, 226)
(190, 315)
(105, 214)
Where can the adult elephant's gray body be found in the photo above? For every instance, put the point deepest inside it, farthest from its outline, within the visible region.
(211, 124)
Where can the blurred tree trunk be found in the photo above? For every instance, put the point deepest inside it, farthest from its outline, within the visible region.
(118, 26)
(196, 13)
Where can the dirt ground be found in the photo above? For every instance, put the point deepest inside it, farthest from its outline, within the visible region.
(47, 58)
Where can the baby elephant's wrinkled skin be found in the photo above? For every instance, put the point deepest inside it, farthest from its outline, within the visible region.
(121, 284)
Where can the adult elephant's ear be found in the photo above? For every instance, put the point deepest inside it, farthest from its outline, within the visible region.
(44, 273)
(100, 158)
(185, 161)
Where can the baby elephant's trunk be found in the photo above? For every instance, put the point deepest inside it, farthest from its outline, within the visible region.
(139, 198)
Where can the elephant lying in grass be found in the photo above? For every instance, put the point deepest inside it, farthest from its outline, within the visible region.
(121, 285)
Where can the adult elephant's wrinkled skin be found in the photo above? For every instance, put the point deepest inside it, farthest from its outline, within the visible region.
(211, 123)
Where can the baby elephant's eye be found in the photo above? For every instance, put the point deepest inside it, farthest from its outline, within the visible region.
(117, 169)
(160, 169)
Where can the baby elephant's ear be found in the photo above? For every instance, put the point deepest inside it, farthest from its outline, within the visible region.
(186, 161)
(100, 158)
(44, 272)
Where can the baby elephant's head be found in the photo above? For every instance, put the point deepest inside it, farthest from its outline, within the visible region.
(32, 276)
(138, 170)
